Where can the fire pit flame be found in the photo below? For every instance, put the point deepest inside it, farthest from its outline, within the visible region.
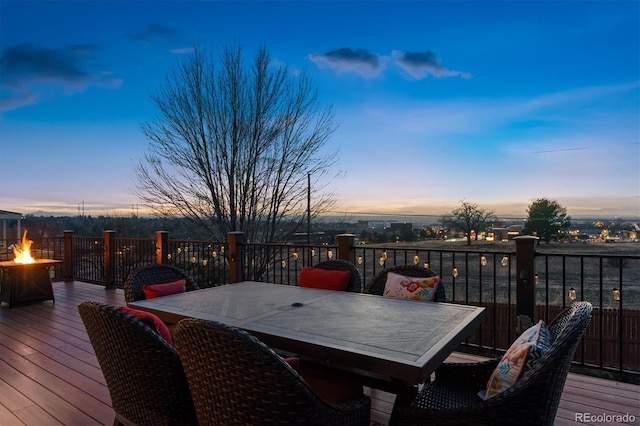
(22, 251)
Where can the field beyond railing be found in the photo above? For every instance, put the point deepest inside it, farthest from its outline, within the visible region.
(488, 276)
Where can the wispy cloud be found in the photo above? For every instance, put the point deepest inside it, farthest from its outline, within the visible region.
(28, 71)
(359, 61)
(422, 64)
(417, 65)
(156, 31)
(176, 37)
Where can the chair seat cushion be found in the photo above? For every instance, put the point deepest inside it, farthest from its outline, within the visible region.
(152, 321)
(520, 357)
(412, 288)
(164, 289)
(324, 278)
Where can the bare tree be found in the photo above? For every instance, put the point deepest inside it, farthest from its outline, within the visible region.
(233, 146)
(467, 218)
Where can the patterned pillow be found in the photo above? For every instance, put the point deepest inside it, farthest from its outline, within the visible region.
(324, 278)
(165, 289)
(520, 357)
(413, 288)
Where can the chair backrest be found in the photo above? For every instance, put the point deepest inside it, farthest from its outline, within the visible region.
(143, 372)
(376, 285)
(236, 379)
(355, 282)
(154, 273)
(537, 393)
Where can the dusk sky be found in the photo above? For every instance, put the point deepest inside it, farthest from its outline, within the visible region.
(496, 103)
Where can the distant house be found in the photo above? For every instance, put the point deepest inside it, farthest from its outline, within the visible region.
(9, 220)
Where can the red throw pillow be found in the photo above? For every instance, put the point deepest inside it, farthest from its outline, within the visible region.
(152, 321)
(325, 279)
(165, 289)
(294, 362)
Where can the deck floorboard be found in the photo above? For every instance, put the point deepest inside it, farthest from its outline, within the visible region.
(49, 373)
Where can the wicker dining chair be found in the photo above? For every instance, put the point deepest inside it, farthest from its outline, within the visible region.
(451, 399)
(143, 372)
(151, 274)
(355, 282)
(376, 285)
(236, 379)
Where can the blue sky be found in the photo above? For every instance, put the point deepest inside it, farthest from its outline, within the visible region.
(497, 103)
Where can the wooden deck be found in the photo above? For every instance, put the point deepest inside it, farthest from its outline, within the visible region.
(49, 374)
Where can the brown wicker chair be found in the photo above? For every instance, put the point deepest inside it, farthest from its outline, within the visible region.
(355, 282)
(451, 399)
(376, 286)
(144, 375)
(155, 273)
(236, 379)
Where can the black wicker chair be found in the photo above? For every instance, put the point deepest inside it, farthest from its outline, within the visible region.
(451, 399)
(355, 282)
(376, 286)
(236, 379)
(155, 273)
(144, 375)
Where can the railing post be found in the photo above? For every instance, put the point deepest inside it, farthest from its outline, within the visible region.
(109, 260)
(525, 282)
(162, 246)
(236, 256)
(67, 265)
(346, 249)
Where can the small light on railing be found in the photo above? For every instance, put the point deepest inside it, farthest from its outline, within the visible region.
(193, 259)
(221, 249)
(179, 250)
(313, 252)
(360, 260)
(454, 272)
(505, 260)
(483, 260)
(616, 293)
(253, 262)
(426, 265)
(294, 255)
(330, 254)
(204, 262)
(214, 254)
(416, 259)
(384, 255)
(572, 293)
(283, 263)
(381, 261)
(169, 256)
(536, 278)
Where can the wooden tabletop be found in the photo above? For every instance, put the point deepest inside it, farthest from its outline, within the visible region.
(400, 339)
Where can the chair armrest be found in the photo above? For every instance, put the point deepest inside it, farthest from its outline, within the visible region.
(476, 374)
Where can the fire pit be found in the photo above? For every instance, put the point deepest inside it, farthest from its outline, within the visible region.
(25, 280)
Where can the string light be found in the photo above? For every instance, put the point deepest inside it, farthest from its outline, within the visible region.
(360, 260)
(483, 260)
(616, 293)
(505, 260)
(454, 272)
(572, 293)
(330, 254)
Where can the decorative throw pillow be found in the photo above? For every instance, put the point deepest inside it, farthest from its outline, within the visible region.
(165, 289)
(520, 357)
(152, 321)
(413, 288)
(325, 279)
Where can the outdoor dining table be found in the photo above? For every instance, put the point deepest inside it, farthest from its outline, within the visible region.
(383, 340)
